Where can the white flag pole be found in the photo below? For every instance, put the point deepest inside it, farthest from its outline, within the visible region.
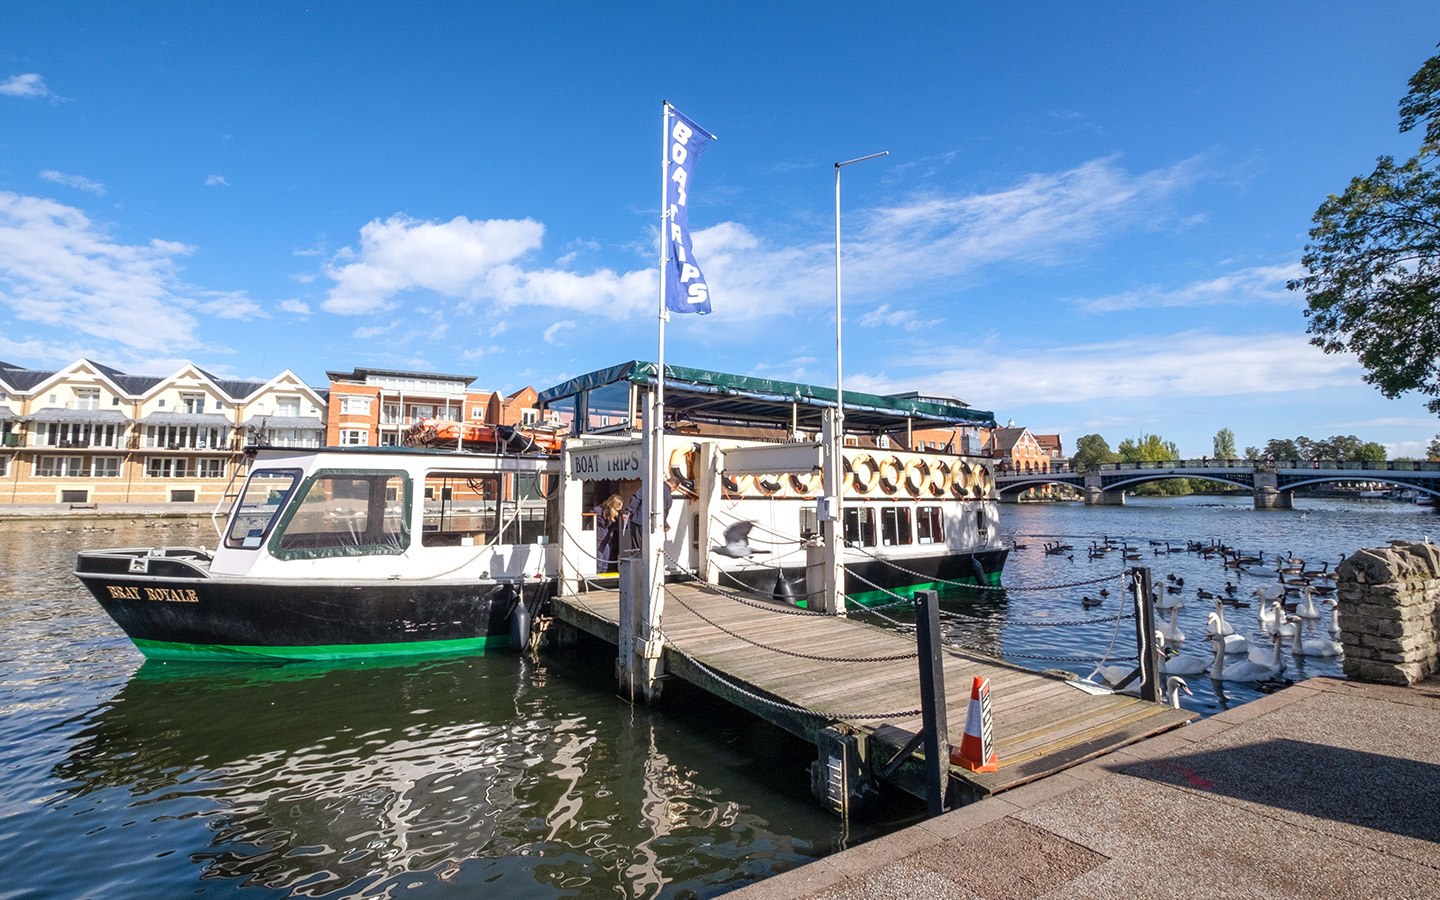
(654, 541)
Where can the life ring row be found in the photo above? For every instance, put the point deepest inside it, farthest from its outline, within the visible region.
(865, 475)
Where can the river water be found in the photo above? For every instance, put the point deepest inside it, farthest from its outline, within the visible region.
(496, 776)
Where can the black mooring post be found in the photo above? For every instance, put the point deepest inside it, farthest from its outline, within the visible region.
(936, 724)
(1145, 643)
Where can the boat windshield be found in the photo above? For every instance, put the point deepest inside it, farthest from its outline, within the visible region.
(346, 512)
(265, 495)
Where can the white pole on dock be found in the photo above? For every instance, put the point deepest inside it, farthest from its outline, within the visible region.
(835, 580)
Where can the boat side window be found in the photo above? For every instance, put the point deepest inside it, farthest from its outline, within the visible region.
(928, 527)
(809, 522)
(982, 523)
(860, 525)
(895, 526)
(265, 494)
(346, 512)
(461, 509)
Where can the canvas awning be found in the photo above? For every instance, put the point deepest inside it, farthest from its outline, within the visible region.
(701, 393)
(212, 420)
(80, 416)
(286, 423)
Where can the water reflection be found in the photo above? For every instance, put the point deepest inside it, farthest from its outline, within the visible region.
(313, 780)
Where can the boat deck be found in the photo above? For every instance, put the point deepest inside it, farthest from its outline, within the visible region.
(771, 662)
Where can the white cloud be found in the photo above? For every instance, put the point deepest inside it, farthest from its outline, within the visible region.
(27, 85)
(552, 334)
(885, 316)
(79, 182)
(216, 181)
(1189, 364)
(1258, 284)
(229, 305)
(460, 259)
(60, 269)
(295, 307)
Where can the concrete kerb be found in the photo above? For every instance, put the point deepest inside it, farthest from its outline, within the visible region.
(50, 512)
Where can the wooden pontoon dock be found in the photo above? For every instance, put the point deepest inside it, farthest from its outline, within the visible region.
(783, 667)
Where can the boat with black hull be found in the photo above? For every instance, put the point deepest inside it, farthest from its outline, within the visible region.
(341, 552)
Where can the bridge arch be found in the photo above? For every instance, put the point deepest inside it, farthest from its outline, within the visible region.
(1432, 490)
(1150, 477)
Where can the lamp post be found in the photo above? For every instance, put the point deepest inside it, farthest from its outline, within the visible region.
(835, 540)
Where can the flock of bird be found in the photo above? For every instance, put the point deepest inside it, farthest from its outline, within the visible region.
(1248, 632)
(101, 529)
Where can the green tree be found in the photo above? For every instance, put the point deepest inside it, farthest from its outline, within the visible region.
(1281, 448)
(1091, 450)
(1153, 448)
(1253, 453)
(1370, 452)
(1433, 451)
(1225, 444)
(1373, 260)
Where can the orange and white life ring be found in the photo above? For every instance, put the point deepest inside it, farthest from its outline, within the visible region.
(984, 482)
(733, 487)
(769, 485)
(939, 478)
(805, 484)
(683, 461)
(866, 472)
(890, 475)
(961, 477)
(917, 476)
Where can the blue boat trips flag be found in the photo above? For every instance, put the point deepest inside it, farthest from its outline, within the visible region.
(685, 287)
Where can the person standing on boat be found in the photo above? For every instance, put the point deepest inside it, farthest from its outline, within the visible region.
(607, 534)
(633, 519)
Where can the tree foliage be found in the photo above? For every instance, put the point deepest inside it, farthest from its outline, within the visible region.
(1433, 451)
(1092, 450)
(1373, 260)
(1153, 448)
(1225, 444)
(1337, 447)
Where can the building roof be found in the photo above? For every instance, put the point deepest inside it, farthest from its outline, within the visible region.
(702, 395)
(1048, 442)
(361, 372)
(1002, 439)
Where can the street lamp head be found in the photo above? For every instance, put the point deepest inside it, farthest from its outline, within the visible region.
(862, 159)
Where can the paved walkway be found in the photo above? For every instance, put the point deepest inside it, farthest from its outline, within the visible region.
(10, 511)
(1326, 789)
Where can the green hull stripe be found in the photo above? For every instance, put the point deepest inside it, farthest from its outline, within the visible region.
(879, 598)
(233, 652)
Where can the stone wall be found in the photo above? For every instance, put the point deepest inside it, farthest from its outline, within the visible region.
(1390, 613)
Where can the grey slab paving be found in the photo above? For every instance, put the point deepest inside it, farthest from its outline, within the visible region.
(1328, 789)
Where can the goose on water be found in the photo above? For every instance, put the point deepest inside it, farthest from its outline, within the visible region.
(1314, 646)
(1246, 669)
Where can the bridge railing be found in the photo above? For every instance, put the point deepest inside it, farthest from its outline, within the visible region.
(1065, 467)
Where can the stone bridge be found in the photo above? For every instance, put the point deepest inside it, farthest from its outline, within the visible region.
(1273, 484)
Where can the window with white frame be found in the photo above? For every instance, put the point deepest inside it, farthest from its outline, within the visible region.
(166, 467)
(192, 403)
(390, 414)
(529, 416)
(105, 467)
(354, 437)
(87, 398)
(287, 407)
(209, 468)
(60, 467)
(355, 406)
(4, 466)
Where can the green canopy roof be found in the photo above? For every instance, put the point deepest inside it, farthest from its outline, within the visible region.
(703, 394)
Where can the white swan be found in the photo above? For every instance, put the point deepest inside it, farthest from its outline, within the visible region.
(1233, 643)
(1173, 687)
(1171, 629)
(1246, 669)
(1215, 623)
(1185, 664)
(1283, 627)
(1307, 609)
(1334, 619)
(1314, 646)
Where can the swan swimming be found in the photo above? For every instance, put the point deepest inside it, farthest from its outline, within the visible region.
(1246, 669)
(1314, 646)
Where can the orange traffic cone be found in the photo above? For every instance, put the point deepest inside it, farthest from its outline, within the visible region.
(977, 748)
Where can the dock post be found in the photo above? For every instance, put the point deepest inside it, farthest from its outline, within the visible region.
(1145, 642)
(632, 585)
(932, 699)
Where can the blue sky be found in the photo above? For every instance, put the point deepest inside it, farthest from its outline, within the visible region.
(1085, 222)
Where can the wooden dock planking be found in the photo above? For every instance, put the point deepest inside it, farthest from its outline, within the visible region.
(1041, 724)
